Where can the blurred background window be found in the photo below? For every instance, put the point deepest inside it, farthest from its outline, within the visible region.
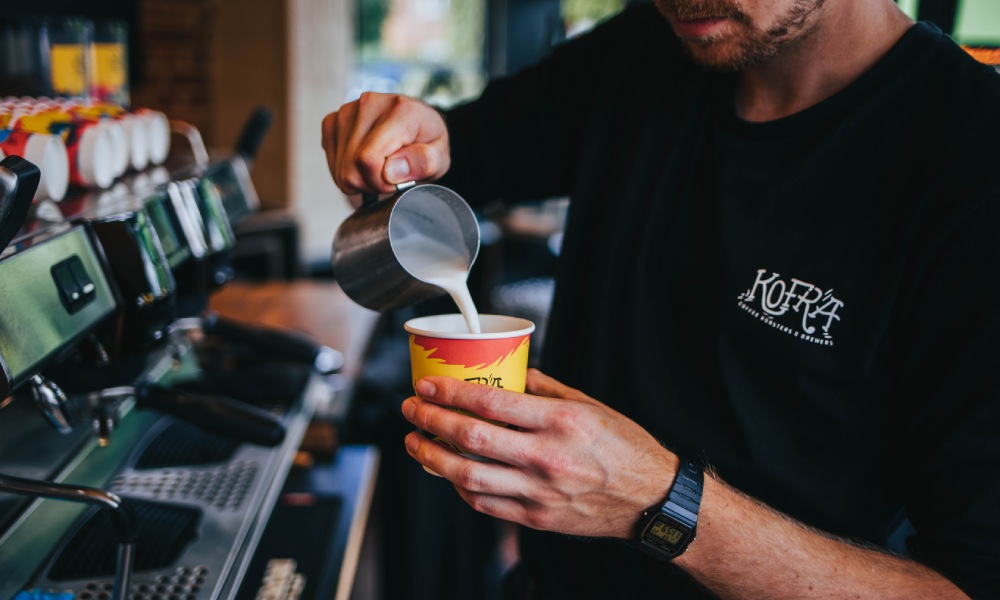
(970, 22)
(430, 49)
(581, 15)
(443, 51)
(977, 23)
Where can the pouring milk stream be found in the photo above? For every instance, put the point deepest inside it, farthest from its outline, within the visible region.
(442, 265)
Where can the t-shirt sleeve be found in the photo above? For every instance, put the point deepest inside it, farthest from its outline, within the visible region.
(521, 139)
(948, 417)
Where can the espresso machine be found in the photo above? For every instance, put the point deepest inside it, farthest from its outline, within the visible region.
(166, 432)
(61, 294)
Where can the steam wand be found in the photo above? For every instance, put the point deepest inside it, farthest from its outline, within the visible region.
(278, 343)
(123, 519)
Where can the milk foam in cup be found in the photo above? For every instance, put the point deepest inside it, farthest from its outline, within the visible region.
(496, 356)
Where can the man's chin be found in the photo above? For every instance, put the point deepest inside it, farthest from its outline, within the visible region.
(715, 56)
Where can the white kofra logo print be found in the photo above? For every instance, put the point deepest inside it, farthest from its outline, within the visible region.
(795, 307)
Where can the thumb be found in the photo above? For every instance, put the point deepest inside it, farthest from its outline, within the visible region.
(417, 162)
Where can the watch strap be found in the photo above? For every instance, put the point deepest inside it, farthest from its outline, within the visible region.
(684, 499)
(681, 508)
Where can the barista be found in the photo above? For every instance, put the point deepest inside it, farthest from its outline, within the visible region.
(771, 348)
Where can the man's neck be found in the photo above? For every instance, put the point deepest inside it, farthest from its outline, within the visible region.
(851, 37)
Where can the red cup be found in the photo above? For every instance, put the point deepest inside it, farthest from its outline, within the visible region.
(116, 131)
(47, 152)
(91, 153)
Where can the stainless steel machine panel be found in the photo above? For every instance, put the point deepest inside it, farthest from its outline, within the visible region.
(168, 228)
(52, 293)
(231, 179)
(210, 201)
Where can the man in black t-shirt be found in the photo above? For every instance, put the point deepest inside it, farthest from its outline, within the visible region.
(780, 261)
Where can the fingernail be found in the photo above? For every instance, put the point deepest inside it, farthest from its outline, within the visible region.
(411, 442)
(397, 170)
(409, 408)
(425, 389)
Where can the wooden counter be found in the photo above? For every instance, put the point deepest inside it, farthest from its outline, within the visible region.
(319, 309)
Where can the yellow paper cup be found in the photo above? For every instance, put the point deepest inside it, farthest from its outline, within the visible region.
(442, 345)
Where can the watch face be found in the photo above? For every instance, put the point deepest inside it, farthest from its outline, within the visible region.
(666, 532)
(666, 535)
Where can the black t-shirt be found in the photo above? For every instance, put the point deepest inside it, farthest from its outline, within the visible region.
(811, 305)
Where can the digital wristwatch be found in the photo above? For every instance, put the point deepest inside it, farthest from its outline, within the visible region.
(668, 529)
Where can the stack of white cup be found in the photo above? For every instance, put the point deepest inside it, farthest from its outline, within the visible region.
(81, 143)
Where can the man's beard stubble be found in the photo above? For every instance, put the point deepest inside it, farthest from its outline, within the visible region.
(752, 46)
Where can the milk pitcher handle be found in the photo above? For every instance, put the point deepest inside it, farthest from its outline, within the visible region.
(369, 199)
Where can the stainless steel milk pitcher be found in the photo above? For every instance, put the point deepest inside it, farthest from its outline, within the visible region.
(366, 259)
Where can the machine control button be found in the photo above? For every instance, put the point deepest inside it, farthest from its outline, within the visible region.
(82, 277)
(76, 287)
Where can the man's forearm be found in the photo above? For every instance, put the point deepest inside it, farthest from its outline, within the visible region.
(746, 550)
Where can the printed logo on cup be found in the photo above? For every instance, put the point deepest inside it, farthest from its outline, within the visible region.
(499, 363)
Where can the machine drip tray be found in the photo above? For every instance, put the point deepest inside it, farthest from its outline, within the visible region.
(164, 532)
(180, 444)
(183, 463)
